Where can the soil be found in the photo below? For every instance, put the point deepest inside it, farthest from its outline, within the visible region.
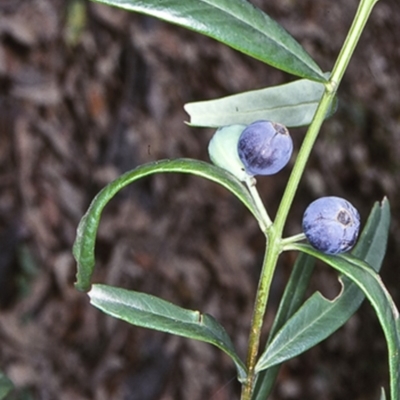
(88, 92)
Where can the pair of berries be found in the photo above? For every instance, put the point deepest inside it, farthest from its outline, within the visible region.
(331, 224)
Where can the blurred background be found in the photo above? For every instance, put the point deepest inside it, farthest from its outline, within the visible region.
(88, 92)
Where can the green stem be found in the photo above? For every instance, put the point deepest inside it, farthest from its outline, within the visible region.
(263, 218)
(274, 232)
(293, 239)
(338, 71)
(267, 272)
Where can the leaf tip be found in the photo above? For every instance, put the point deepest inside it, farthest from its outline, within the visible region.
(384, 202)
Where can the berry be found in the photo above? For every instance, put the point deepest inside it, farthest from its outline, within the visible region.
(265, 147)
(331, 225)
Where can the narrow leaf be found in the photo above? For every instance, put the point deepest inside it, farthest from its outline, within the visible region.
(319, 317)
(86, 233)
(151, 312)
(383, 394)
(292, 104)
(371, 284)
(238, 24)
(5, 386)
(294, 292)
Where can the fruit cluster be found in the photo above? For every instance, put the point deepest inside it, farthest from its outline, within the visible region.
(331, 224)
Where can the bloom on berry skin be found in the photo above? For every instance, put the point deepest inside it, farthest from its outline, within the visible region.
(331, 225)
(264, 148)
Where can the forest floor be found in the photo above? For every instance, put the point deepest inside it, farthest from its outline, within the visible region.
(86, 96)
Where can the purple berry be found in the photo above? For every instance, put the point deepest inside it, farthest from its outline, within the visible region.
(331, 225)
(265, 147)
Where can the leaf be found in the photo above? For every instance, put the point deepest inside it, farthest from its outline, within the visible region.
(236, 23)
(383, 394)
(290, 303)
(294, 292)
(292, 104)
(138, 308)
(371, 284)
(319, 317)
(151, 312)
(5, 386)
(86, 233)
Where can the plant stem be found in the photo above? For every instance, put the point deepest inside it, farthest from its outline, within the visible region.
(263, 219)
(293, 239)
(331, 87)
(274, 232)
(267, 272)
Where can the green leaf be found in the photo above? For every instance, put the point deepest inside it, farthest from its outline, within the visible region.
(294, 292)
(86, 233)
(383, 394)
(291, 301)
(5, 386)
(319, 317)
(371, 284)
(292, 104)
(151, 312)
(238, 24)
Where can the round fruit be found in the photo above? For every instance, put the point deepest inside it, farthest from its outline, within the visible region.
(331, 225)
(265, 147)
